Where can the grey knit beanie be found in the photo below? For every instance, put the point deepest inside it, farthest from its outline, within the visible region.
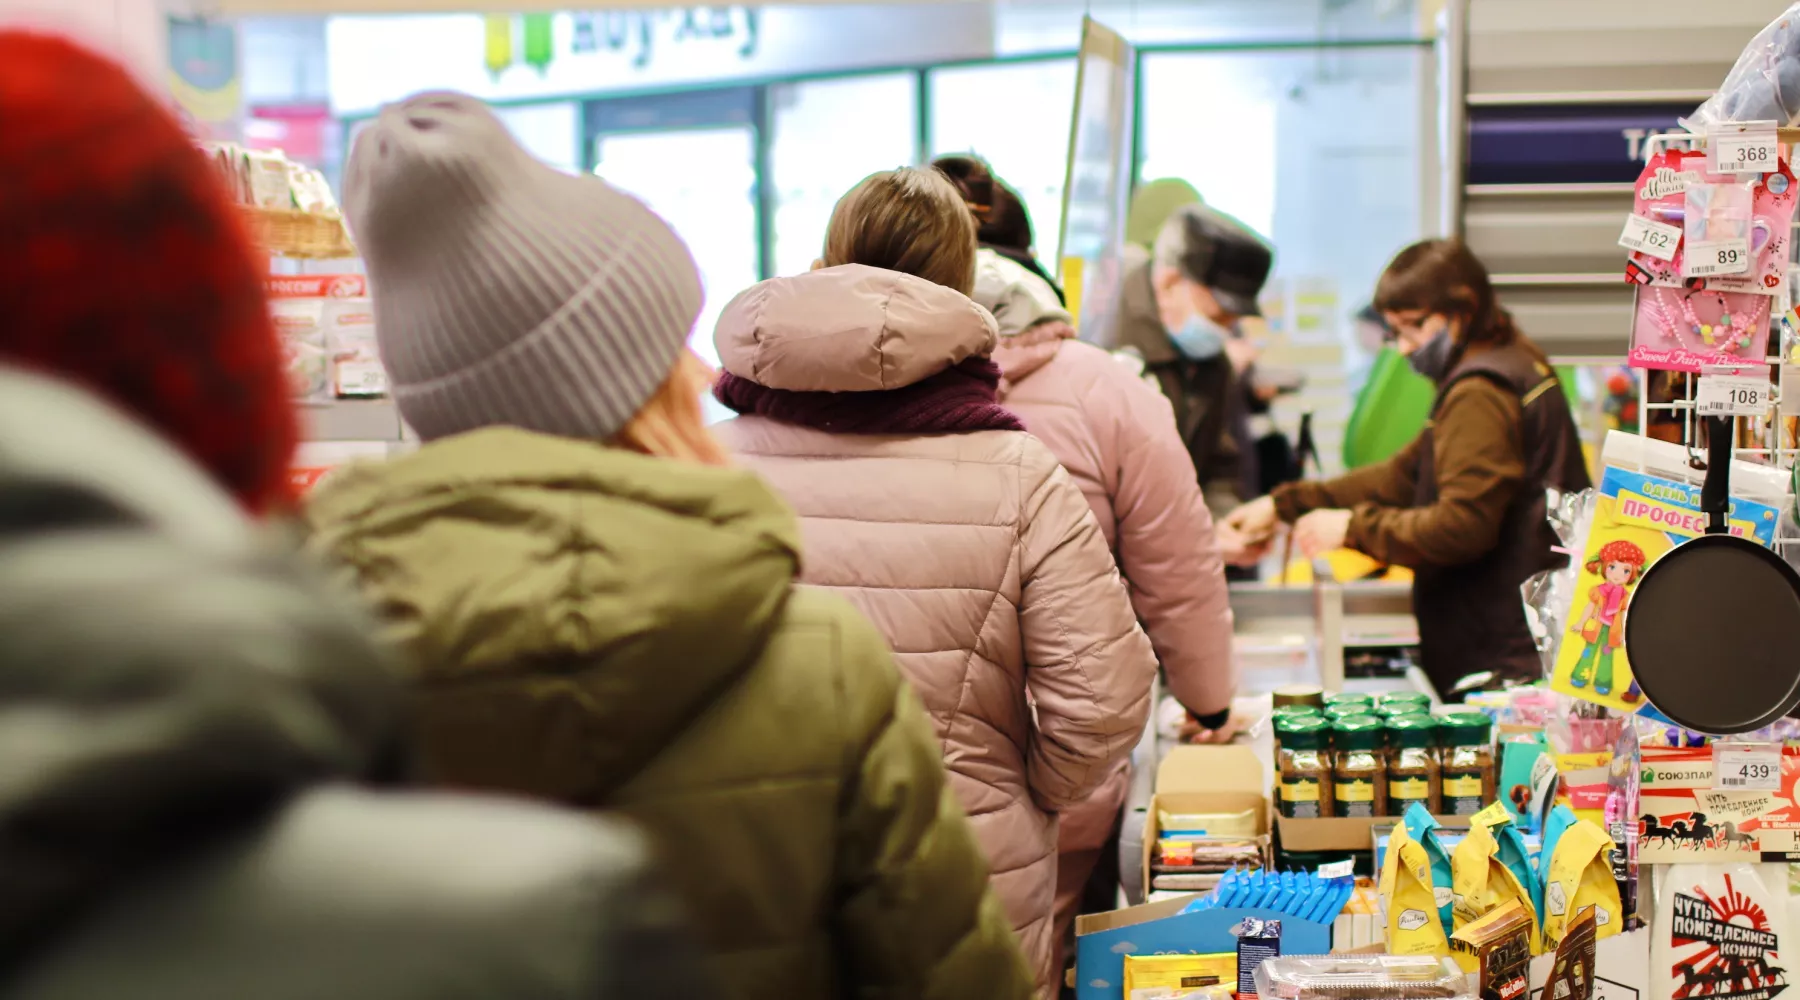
(507, 292)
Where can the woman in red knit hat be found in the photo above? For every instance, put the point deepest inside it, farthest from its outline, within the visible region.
(124, 267)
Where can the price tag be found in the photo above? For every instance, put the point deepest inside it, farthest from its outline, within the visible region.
(1733, 396)
(1779, 840)
(1746, 767)
(1747, 153)
(1337, 869)
(361, 378)
(1716, 257)
(1647, 236)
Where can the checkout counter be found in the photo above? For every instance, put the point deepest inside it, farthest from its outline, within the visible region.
(1357, 636)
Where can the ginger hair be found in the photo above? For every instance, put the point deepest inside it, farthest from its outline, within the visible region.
(670, 424)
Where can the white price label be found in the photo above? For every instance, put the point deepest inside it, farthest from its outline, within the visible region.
(1733, 396)
(1749, 153)
(361, 378)
(1716, 257)
(1746, 767)
(1780, 840)
(1647, 236)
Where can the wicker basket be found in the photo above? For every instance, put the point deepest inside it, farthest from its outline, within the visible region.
(303, 235)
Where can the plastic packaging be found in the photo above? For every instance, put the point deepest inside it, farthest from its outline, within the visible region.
(1764, 83)
(1361, 977)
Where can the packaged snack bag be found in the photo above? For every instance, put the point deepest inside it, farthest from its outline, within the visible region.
(1580, 875)
(1422, 827)
(1413, 924)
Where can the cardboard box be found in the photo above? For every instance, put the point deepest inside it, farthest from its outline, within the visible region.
(1341, 834)
(1207, 779)
(1102, 940)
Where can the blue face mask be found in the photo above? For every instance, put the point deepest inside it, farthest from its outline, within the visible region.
(1200, 339)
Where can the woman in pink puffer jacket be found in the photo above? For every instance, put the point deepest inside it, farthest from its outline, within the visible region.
(1116, 435)
(870, 403)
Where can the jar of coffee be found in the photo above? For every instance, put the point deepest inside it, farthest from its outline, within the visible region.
(1404, 703)
(1466, 762)
(1359, 767)
(1412, 769)
(1303, 767)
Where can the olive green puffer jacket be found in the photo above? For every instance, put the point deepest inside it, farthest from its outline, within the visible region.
(622, 633)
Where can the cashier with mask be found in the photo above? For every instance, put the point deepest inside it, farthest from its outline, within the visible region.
(1179, 308)
(1463, 505)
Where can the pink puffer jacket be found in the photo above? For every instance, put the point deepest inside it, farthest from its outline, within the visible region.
(975, 554)
(1116, 436)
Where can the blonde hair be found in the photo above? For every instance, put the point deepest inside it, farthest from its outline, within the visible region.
(670, 425)
(911, 220)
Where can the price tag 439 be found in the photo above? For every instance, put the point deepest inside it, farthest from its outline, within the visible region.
(1713, 257)
(1749, 153)
(1647, 236)
(1747, 767)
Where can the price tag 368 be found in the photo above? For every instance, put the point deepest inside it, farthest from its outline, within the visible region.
(1750, 153)
(1712, 257)
(1733, 396)
(1747, 767)
(1647, 236)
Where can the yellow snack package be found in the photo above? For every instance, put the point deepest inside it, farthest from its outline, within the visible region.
(1413, 924)
(1483, 883)
(1149, 976)
(1581, 876)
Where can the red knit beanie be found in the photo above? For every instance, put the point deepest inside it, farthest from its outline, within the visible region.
(124, 266)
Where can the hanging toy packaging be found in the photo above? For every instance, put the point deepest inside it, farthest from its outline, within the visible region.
(1718, 934)
(1710, 256)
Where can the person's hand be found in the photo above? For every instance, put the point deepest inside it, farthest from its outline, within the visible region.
(1255, 521)
(1193, 732)
(1321, 531)
(1236, 549)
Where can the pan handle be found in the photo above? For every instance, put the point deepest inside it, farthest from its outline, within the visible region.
(1715, 490)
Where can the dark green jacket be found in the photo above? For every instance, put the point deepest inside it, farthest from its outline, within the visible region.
(621, 633)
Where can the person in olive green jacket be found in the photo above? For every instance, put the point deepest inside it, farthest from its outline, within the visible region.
(601, 612)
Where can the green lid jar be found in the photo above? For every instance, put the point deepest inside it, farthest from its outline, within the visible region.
(1464, 728)
(1412, 767)
(1367, 701)
(1467, 769)
(1418, 700)
(1303, 766)
(1359, 767)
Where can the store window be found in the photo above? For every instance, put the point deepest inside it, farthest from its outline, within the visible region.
(826, 136)
(1320, 150)
(1016, 115)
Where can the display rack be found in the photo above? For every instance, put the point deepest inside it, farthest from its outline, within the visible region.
(297, 235)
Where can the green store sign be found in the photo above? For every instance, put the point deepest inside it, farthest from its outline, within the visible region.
(639, 35)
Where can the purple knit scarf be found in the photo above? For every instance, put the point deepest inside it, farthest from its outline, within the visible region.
(957, 400)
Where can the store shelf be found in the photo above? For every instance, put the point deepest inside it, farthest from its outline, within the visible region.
(353, 420)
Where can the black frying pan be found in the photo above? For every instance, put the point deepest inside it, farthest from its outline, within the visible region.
(1713, 630)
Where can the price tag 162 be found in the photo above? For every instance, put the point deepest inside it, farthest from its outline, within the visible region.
(1733, 396)
(1746, 153)
(1747, 767)
(1647, 236)
(1714, 257)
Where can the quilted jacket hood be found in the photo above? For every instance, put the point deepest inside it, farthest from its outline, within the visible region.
(646, 585)
(850, 329)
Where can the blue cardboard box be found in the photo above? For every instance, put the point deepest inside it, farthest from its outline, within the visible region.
(1104, 939)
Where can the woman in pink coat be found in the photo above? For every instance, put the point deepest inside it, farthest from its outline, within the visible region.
(1116, 436)
(869, 401)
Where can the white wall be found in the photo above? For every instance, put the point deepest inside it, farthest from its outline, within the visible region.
(134, 31)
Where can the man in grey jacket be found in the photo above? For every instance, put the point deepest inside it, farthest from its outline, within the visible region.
(189, 729)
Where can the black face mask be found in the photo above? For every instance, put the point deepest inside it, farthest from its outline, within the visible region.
(1433, 359)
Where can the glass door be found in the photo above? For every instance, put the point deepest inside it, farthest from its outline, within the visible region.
(693, 159)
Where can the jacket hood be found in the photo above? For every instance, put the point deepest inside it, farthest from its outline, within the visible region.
(164, 680)
(1018, 298)
(506, 553)
(850, 329)
(1022, 356)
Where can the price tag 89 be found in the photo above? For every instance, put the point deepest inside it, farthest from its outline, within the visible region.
(1713, 257)
(1747, 767)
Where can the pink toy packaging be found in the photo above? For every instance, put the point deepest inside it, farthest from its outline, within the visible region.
(1710, 262)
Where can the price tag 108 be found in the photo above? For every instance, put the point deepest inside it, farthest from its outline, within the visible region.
(1713, 257)
(1747, 153)
(1747, 767)
(1733, 396)
(1647, 236)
